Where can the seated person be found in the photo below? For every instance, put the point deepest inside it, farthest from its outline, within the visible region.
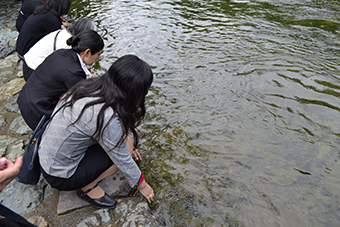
(87, 140)
(51, 42)
(26, 10)
(57, 74)
(45, 19)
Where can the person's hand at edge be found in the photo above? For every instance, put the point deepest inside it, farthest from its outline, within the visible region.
(146, 190)
(64, 22)
(8, 170)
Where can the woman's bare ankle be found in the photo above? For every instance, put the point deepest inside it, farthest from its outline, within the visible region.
(96, 193)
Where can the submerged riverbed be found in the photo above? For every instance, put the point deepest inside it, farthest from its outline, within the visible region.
(243, 117)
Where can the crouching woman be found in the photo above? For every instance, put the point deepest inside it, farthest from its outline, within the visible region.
(87, 140)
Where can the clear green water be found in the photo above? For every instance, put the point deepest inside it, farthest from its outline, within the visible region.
(243, 122)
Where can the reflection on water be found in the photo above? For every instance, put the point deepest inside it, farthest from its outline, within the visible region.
(243, 116)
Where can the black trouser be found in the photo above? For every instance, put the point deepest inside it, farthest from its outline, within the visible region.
(27, 71)
(94, 163)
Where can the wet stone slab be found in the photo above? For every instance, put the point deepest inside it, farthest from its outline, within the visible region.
(11, 88)
(22, 198)
(11, 106)
(115, 185)
(11, 147)
(19, 127)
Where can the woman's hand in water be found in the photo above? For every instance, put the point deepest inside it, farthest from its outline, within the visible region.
(146, 191)
(136, 154)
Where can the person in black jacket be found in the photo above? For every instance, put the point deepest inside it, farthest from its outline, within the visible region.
(45, 19)
(52, 42)
(56, 75)
(26, 10)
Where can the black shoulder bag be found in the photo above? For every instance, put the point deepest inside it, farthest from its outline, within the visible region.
(30, 169)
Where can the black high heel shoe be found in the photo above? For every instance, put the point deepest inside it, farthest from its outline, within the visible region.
(105, 202)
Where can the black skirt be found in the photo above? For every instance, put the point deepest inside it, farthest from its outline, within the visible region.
(94, 163)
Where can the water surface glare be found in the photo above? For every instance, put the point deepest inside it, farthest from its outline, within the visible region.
(243, 116)
(242, 125)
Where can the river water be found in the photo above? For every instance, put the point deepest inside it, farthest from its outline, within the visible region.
(243, 117)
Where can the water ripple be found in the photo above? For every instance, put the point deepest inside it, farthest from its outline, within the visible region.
(245, 103)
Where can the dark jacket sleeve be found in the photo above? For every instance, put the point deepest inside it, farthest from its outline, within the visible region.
(56, 75)
(54, 23)
(35, 27)
(77, 76)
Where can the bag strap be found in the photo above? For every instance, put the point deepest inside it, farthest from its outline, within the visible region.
(39, 130)
(11, 215)
(55, 40)
(59, 109)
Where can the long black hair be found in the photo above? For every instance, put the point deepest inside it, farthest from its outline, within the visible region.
(87, 39)
(123, 88)
(58, 7)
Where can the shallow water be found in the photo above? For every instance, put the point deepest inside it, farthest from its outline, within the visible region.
(243, 116)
